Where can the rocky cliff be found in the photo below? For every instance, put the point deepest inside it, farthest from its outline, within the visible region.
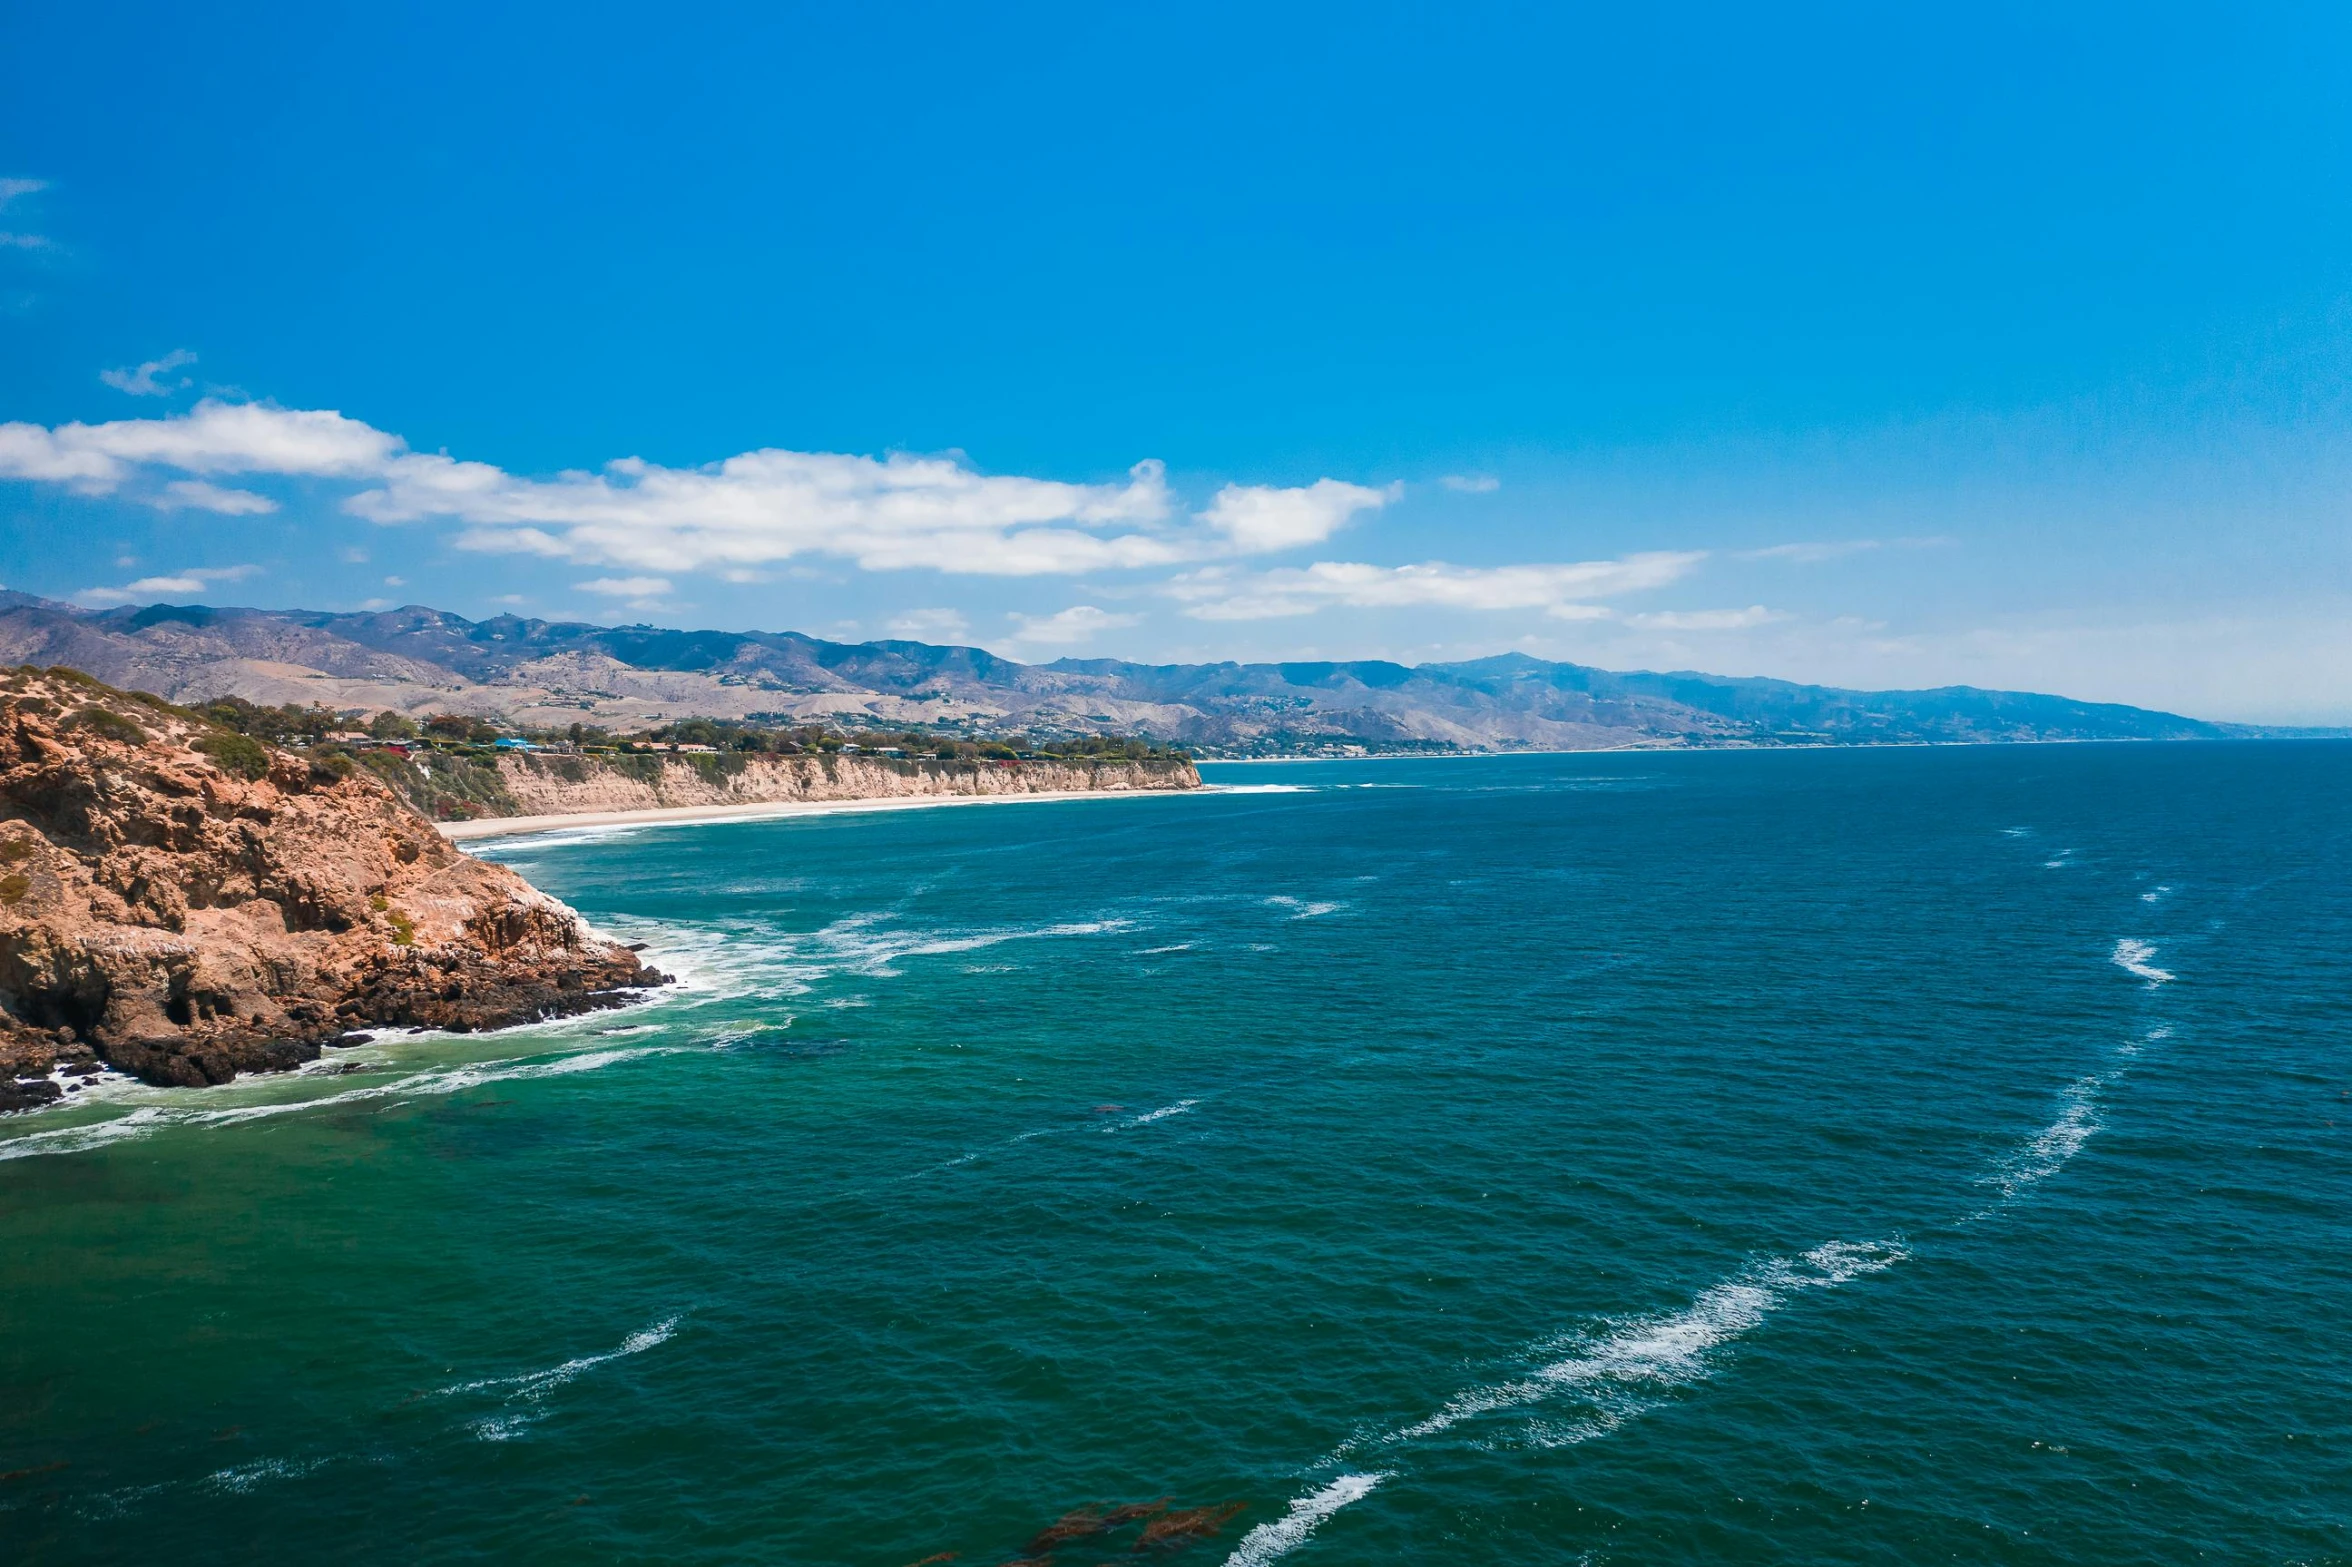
(185, 904)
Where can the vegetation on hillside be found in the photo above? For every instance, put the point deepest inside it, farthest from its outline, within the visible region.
(447, 764)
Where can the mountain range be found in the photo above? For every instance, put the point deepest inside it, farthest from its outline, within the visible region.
(549, 674)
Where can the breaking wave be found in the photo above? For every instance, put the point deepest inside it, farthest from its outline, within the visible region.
(149, 1119)
(749, 960)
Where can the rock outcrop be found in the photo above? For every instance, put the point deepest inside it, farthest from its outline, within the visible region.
(184, 904)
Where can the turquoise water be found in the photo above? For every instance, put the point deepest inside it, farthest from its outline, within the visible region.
(1808, 1157)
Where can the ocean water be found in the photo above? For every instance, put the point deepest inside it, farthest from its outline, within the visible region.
(1883, 1156)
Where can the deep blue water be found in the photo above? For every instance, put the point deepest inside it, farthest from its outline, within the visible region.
(1872, 1156)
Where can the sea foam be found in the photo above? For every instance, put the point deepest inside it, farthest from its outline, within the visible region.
(1622, 1372)
(1616, 1375)
(530, 1387)
(148, 1119)
(2132, 957)
(1286, 1534)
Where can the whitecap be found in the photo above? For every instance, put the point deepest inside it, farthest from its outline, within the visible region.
(2048, 1151)
(148, 1119)
(1621, 1372)
(2132, 957)
(2157, 896)
(252, 1476)
(1283, 1535)
(1301, 909)
(1149, 1116)
(530, 1387)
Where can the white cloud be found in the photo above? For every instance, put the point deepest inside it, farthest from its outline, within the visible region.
(194, 580)
(212, 438)
(11, 189)
(1705, 619)
(768, 506)
(1260, 519)
(142, 382)
(1472, 483)
(396, 582)
(1080, 623)
(1220, 593)
(197, 494)
(626, 587)
(920, 623)
(756, 509)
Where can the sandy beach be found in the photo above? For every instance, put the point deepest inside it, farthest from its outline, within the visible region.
(518, 826)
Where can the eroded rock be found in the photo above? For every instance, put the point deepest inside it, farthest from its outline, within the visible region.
(179, 920)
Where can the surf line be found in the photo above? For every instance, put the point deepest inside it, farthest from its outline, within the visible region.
(1617, 1377)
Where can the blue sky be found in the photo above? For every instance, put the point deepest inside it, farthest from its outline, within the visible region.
(1994, 346)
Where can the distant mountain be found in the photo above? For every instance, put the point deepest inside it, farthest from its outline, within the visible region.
(542, 672)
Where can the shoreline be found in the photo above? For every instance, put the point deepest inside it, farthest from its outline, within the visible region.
(483, 828)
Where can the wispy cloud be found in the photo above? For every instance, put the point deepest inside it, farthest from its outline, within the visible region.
(754, 509)
(17, 239)
(1472, 483)
(1222, 593)
(1072, 627)
(626, 587)
(1811, 553)
(197, 495)
(195, 579)
(1704, 619)
(141, 380)
(921, 623)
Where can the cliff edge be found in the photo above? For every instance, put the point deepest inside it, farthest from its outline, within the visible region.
(183, 903)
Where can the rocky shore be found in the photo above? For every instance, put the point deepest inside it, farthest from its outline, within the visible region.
(184, 904)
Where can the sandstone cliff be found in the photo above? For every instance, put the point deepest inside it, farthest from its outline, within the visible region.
(185, 904)
(563, 785)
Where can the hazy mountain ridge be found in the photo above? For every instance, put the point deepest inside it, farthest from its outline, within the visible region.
(421, 660)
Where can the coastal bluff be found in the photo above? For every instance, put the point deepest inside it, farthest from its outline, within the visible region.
(184, 903)
(555, 785)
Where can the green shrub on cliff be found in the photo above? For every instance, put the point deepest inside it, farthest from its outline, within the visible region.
(105, 721)
(232, 752)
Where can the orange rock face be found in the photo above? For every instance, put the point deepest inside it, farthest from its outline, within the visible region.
(185, 905)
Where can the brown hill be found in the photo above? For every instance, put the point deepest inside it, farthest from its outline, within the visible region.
(186, 904)
(554, 673)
